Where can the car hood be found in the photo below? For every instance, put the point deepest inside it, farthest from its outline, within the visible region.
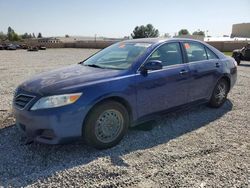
(237, 50)
(67, 79)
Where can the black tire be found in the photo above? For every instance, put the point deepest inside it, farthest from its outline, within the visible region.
(216, 102)
(90, 126)
(237, 59)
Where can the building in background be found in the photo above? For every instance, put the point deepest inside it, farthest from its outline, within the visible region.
(48, 40)
(241, 30)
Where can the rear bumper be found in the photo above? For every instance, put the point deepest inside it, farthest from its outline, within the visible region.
(51, 126)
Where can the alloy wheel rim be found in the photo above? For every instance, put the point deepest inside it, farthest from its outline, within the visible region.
(109, 125)
(221, 93)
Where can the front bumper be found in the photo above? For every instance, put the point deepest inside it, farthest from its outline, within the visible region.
(51, 126)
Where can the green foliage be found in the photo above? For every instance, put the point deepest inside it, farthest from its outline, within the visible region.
(27, 36)
(11, 35)
(199, 32)
(3, 36)
(147, 31)
(10, 30)
(15, 37)
(183, 32)
(39, 35)
(167, 35)
(228, 53)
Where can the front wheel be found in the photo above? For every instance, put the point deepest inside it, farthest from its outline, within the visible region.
(237, 57)
(219, 95)
(106, 125)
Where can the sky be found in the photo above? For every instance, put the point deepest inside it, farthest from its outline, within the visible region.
(118, 18)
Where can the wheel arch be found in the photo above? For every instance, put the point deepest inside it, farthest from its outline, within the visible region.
(228, 80)
(118, 99)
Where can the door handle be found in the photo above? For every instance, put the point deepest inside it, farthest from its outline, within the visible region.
(217, 65)
(183, 72)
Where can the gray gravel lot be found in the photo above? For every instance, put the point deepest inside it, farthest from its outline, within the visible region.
(197, 147)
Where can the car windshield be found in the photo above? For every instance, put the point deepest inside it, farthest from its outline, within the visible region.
(118, 56)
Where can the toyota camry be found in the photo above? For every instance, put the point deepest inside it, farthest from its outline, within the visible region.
(122, 85)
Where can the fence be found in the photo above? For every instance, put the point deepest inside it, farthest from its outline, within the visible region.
(89, 44)
(224, 46)
(228, 46)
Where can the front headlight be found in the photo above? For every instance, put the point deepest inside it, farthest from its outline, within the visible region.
(56, 101)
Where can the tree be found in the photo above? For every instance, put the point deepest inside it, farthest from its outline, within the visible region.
(33, 35)
(15, 37)
(145, 32)
(199, 32)
(3, 36)
(11, 35)
(10, 30)
(25, 36)
(126, 37)
(183, 32)
(39, 35)
(66, 36)
(167, 35)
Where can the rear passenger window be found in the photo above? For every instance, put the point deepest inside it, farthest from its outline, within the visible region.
(168, 54)
(195, 51)
(210, 54)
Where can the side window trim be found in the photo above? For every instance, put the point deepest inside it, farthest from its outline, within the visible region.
(168, 42)
(186, 54)
(182, 53)
(182, 60)
(206, 49)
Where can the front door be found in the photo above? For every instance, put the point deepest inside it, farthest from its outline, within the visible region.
(165, 88)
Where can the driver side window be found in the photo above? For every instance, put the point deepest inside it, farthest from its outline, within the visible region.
(168, 54)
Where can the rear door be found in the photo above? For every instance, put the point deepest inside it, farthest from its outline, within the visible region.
(204, 68)
(165, 88)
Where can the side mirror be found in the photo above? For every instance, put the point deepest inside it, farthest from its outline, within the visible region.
(152, 65)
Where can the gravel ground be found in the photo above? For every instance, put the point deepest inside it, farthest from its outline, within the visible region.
(198, 147)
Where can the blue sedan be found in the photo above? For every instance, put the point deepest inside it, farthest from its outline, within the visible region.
(123, 85)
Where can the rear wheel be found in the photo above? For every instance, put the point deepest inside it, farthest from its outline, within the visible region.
(219, 95)
(106, 125)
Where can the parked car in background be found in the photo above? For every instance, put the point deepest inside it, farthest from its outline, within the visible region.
(242, 54)
(24, 46)
(1, 47)
(32, 49)
(11, 47)
(123, 85)
(5, 46)
(42, 48)
(18, 46)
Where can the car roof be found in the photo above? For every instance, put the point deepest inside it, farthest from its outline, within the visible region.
(159, 40)
(163, 40)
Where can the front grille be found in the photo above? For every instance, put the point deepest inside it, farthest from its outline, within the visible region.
(22, 100)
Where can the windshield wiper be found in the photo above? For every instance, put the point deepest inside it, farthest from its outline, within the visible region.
(93, 65)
